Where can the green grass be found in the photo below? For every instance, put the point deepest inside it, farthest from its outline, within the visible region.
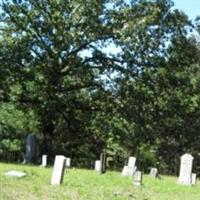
(89, 185)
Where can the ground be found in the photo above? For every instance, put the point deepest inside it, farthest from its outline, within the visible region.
(82, 184)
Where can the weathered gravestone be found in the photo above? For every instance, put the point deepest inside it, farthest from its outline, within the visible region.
(130, 169)
(194, 178)
(31, 149)
(68, 162)
(58, 170)
(44, 161)
(103, 163)
(154, 172)
(138, 178)
(185, 175)
(97, 166)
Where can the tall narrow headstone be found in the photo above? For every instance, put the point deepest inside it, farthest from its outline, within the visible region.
(138, 178)
(103, 163)
(58, 170)
(44, 161)
(97, 165)
(31, 149)
(185, 175)
(154, 172)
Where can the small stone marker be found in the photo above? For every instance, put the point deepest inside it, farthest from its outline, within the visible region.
(58, 170)
(97, 165)
(15, 174)
(194, 177)
(103, 163)
(154, 172)
(44, 161)
(138, 178)
(185, 176)
(68, 162)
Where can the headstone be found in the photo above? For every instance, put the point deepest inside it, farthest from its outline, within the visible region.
(31, 149)
(44, 161)
(97, 165)
(58, 170)
(15, 174)
(154, 172)
(131, 161)
(68, 162)
(194, 177)
(185, 175)
(138, 178)
(103, 163)
(130, 169)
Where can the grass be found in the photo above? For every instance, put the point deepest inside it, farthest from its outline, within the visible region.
(81, 184)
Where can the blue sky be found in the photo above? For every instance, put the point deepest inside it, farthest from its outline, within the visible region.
(190, 7)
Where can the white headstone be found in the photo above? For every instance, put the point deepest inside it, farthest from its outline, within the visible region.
(130, 169)
(154, 172)
(58, 170)
(44, 161)
(138, 178)
(97, 165)
(185, 175)
(68, 162)
(131, 161)
(194, 177)
(15, 174)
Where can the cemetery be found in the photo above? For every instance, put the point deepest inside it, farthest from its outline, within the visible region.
(99, 100)
(62, 181)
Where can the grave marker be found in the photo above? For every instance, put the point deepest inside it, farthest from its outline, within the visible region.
(97, 165)
(130, 169)
(131, 161)
(138, 178)
(58, 170)
(68, 162)
(15, 174)
(194, 177)
(154, 172)
(44, 161)
(185, 175)
(31, 149)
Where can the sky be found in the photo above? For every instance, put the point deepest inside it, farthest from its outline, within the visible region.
(190, 7)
